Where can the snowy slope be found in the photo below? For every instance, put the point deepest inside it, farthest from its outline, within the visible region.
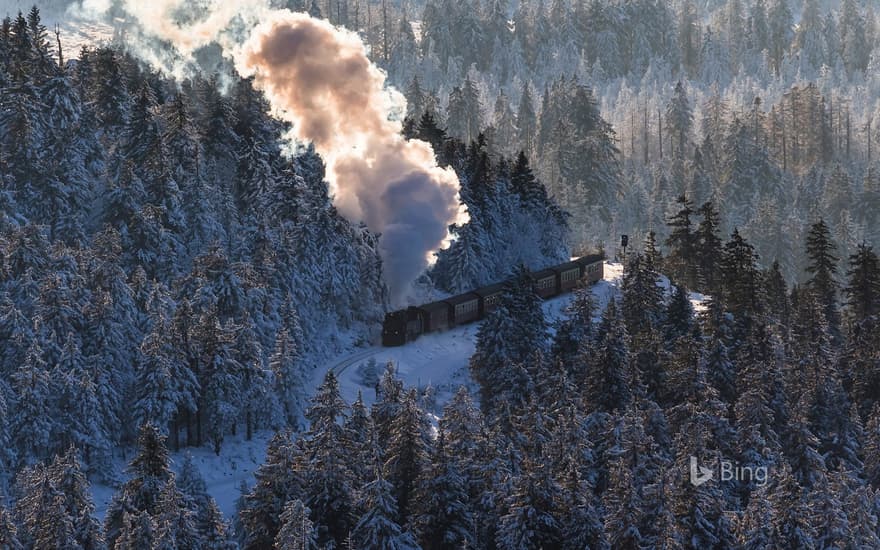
(439, 360)
(76, 30)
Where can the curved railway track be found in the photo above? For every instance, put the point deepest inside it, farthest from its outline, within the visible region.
(342, 365)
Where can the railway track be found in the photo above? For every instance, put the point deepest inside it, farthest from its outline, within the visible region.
(347, 362)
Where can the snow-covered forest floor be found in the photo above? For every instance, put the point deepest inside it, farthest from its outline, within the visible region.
(436, 360)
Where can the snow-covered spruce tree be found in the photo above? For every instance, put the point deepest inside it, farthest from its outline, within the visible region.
(444, 516)
(609, 381)
(679, 121)
(362, 440)
(166, 386)
(289, 371)
(575, 331)
(71, 482)
(791, 520)
(741, 290)
(388, 403)
(297, 531)
(378, 527)
(642, 298)
(194, 492)
(863, 288)
(823, 270)
(278, 479)
(8, 531)
(531, 520)
(407, 455)
(708, 249)
(683, 245)
(138, 531)
(511, 333)
(32, 423)
(175, 525)
(131, 513)
(328, 480)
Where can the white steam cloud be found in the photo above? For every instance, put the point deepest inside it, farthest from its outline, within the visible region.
(319, 78)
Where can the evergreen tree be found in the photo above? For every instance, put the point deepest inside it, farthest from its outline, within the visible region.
(512, 332)
(70, 481)
(683, 245)
(823, 270)
(138, 531)
(863, 290)
(530, 521)
(444, 518)
(791, 518)
(129, 519)
(328, 485)
(679, 121)
(297, 531)
(8, 532)
(741, 290)
(608, 384)
(407, 455)
(278, 480)
(377, 528)
(175, 524)
(642, 297)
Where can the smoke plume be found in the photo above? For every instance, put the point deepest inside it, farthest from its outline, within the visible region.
(319, 78)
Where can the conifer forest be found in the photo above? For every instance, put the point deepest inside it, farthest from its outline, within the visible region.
(213, 213)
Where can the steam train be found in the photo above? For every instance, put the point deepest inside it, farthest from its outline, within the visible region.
(408, 324)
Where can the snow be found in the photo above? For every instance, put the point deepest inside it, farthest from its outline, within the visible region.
(223, 474)
(76, 31)
(439, 360)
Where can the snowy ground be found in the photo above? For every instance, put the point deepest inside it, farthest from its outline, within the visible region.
(439, 360)
(76, 30)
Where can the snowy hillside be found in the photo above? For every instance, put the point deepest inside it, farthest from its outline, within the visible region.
(436, 360)
(440, 360)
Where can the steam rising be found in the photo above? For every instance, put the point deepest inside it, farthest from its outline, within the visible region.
(319, 78)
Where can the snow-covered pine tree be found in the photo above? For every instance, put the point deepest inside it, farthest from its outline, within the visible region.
(407, 455)
(297, 531)
(378, 527)
(130, 514)
(328, 479)
(278, 480)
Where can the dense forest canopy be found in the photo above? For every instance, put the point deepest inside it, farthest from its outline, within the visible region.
(172, 272)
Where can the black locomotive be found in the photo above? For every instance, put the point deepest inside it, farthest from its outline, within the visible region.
(406, 325)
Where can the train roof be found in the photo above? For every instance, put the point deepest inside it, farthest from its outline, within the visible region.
(567, 266)
(543, 274)
(490, 290)
(434, 306)
(590, 259)
(462, 298)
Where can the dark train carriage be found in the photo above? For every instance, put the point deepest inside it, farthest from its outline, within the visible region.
(465, 308)
(568, 274)
(490, 296)
(415, 323)
(545, 283)
(436, 316)
(394, 329)
(592, 267)
(402, 326)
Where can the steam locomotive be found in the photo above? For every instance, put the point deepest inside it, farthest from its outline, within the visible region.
(408, 324)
